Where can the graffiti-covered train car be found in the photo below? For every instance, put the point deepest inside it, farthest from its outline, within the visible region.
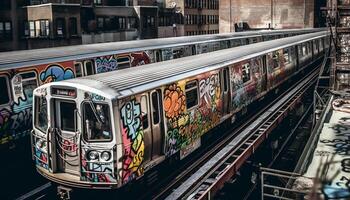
(22, 71)
(106, 130)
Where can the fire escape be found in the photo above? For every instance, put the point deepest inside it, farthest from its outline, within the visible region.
(338, 19)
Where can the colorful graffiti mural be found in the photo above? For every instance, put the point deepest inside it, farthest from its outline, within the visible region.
(246, 91)
(55, 73)
(133, 140)
(186, 126)
(139, 58)
(105, 64)
(174, 101)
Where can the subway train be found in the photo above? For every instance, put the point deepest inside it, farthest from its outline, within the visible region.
(106, 130)
(22, 71)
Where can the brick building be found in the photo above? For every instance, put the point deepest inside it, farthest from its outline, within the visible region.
(30, 24)
(199, 16)
(266, 14)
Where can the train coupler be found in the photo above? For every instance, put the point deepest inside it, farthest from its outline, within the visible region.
(64, 193)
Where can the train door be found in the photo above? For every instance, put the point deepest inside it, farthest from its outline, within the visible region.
(264, 73)
(66, 137)
(152, 125)
(156, 122)
(225, 83)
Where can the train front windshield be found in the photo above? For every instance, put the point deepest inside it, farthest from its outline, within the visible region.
(40, 112)
(97, 124)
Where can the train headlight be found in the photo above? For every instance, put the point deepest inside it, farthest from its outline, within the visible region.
(105, 156)
(40, 143)
(92, 155)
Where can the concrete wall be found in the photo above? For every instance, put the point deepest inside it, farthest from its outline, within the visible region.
(261, 13)
(168, 31)
(109, 37)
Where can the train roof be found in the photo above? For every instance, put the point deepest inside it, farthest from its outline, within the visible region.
(14, 59)
(126, 82)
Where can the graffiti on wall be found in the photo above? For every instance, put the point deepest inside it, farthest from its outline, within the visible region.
(186, 126)
(133, 140)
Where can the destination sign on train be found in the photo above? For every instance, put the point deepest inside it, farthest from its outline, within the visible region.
(64, 92)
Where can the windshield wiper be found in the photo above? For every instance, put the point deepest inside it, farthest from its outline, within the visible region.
(95, 112)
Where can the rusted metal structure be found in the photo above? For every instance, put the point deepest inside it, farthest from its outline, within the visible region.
(338, 19)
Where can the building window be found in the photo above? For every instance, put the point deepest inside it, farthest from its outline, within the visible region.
(122, 23)
(31, 29)
(5, 30)
(60, 26)
(98, 2)
(100, 23)
(26, 29)
(149, 21)
(73, 29)
(44, 28)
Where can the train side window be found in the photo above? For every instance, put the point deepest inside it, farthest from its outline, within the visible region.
(89, 68)
(144, 112)
(275, 60)
(4, 92)
(300, 51)
(191, 90)
(304, 48)
(29, 83)
(246, 72)
(155, 106)
(286, 55)
(78, 69)
(123, 62)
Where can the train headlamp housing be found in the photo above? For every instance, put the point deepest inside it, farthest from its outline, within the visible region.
(92, 155)
(40, 143)
(105, 156)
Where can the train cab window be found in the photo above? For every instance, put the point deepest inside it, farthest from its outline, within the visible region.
(144, 113)
(40, 117)
(4, 92)
(78, 70)
(67, 110)
(191, 90)
(286, 55)
(89, 68)
(246, 72)
(155, 107)
(97, 124)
